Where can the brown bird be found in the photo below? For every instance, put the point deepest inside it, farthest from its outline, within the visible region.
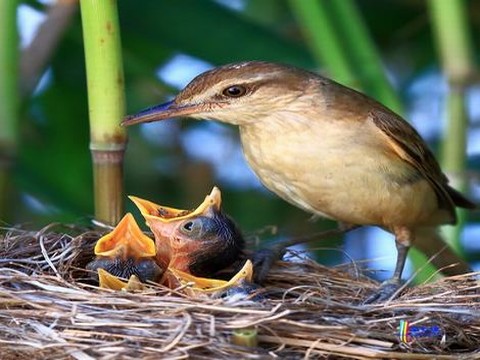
(330, 151)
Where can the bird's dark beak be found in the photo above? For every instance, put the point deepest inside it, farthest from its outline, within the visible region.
(160, 112)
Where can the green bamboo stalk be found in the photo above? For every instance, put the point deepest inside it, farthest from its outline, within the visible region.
(9, 96)
(106, 100)
(315, 22)
(364, 55)
(450, 27)
(453, 157)
(449, 22)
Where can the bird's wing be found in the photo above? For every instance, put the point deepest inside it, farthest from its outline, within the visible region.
(405, 141)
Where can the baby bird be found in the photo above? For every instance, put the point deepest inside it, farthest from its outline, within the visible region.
(126, 251)
(199, 242)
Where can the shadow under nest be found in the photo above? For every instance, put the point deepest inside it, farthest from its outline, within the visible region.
(50, 309)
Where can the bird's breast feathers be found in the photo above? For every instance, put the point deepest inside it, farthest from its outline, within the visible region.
(338, 170)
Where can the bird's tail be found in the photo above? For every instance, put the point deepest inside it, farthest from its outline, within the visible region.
(429, 241)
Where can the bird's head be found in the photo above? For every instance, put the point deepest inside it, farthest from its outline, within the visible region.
(126, 251)
(201, 242)
(238, 94)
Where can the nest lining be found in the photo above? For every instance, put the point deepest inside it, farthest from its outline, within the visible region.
(50, 309)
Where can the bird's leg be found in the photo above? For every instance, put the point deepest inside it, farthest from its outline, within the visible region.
(264, 259)
(402, 251)
(403, 240)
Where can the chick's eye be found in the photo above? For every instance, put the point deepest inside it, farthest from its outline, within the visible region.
(188, 226)
(192, 227)
(235, 91)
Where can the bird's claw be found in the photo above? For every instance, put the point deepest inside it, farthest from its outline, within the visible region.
(244, 291)
(386, 292)
(263, 261)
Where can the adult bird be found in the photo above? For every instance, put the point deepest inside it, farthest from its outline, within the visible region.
(330, 151)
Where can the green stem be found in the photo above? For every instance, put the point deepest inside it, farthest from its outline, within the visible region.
(9, 100)
(106, 100)
(314, 20)
(450, 28)
(449, 22)
(453, 156)
(363, 53)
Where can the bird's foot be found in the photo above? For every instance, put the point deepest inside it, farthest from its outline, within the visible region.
(243, 291)
(386, 292)
(263, 261)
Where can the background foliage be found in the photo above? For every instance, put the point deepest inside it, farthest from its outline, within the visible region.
(52, 179)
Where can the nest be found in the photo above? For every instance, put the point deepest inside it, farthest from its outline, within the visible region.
(50, 309)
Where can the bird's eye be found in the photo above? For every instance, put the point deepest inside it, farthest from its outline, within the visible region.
(192, 228)
(188, 226)
(235, 91)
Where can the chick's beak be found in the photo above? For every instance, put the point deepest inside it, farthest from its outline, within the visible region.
(154, 213)
(126, 240)
(206, 285)
(109, 281)
(161, 112)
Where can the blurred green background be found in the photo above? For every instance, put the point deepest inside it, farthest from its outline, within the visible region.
(389, 49)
